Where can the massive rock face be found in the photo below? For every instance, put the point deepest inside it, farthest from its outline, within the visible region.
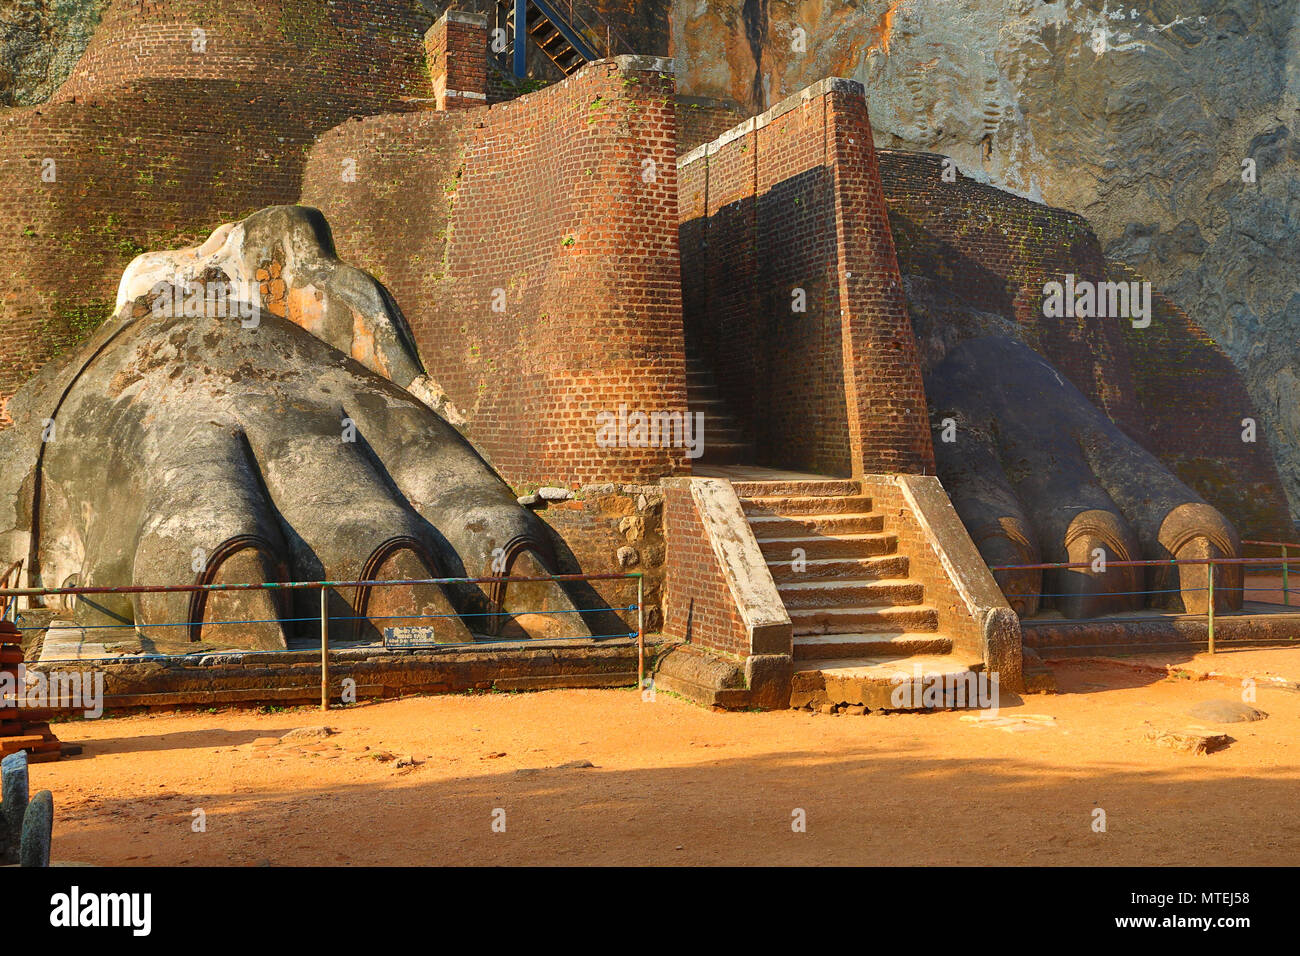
(1137, 117)
(40, 42)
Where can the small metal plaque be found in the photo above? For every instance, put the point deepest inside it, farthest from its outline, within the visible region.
(424, 636)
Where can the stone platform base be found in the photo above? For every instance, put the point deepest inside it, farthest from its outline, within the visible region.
(293, 677)
(1257, 625)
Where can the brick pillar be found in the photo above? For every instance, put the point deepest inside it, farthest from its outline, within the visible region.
(456, 47)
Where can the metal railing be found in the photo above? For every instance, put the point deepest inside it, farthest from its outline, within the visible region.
(578, 21)
(11, 572)
(1285, 546)
(1210, 563)
(9, 596)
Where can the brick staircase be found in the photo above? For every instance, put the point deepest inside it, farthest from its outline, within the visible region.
(858, 618)
(723, 442)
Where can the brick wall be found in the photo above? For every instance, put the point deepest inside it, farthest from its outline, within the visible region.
(1168, 386)
(363, 53)
(1194, 400)
(993, 251)
(701, 119)
(698, 605)
(154, 143)
(456, 47)
(789, 205)
(533, 248)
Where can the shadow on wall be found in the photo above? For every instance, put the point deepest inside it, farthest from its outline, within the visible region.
(761, 305)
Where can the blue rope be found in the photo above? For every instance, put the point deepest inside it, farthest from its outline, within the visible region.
(368, 617)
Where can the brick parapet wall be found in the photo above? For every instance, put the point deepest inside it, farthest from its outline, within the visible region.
(154, 144)
(559, 209)
(994, 251)
(702, 119)
(698, 606)
(367, 54)
(1194, 401)
(789, 204)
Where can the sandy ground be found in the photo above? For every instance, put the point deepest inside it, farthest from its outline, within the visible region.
(673, 783)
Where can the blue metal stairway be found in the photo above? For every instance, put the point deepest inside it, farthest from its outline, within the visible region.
(568, 40)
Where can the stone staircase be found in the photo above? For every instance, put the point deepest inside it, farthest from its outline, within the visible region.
(723, 442)
(859, 619)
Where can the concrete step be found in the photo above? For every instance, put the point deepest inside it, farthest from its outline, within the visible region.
(890, 683)
(881, 644)
(830, 569)
(842, 593)
(789, 526)
(845, 620)
(788, 505)
(796, 487)
(825, 546)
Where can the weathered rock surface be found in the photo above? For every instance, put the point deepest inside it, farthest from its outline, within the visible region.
(40, 43)
(1225, 712)
(1188, 741)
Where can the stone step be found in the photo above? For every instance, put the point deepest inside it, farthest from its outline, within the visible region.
(831, 569)
(796, 487)
(889, 683)
(845, 620)
(815, 594)
(825, 546)
(788, 505)
(881, 644)
(789, 526)
(725, 454)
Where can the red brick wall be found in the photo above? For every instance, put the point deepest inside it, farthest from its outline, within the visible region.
(698, 605)
(1193, 399)
(701, 120)
(154, 144)
(1168, 386)
(457, 56)
(364, 53)
(794, 202)
(548, 199)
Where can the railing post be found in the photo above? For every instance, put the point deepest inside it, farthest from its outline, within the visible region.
(1210, 609)
(640, 633)
(324, 648)
(1286, 593)
(521, 39)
